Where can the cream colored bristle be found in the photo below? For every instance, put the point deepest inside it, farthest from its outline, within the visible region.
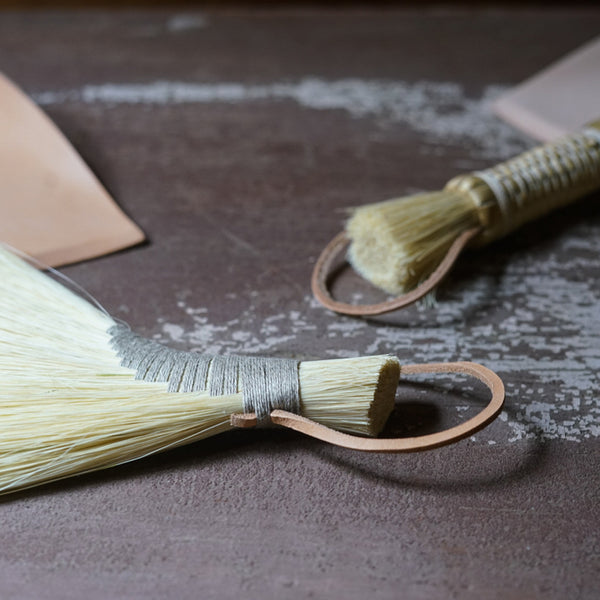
(396, 244)
(67, 406)
(350, 394)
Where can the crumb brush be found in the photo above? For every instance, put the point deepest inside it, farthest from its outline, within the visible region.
(406, 246)
(81, 392)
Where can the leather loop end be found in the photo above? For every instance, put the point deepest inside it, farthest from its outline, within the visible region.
(243, 420)
(339, 244)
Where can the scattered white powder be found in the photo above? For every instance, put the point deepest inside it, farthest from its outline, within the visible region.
(186, 22)
(439, 111)
(175, 332)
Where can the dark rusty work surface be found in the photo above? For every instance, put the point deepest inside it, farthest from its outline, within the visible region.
(238, 188)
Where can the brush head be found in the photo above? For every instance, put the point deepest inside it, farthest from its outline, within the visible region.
(397, 244)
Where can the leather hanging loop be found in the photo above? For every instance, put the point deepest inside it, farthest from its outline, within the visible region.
(413, 444)
(339, 244)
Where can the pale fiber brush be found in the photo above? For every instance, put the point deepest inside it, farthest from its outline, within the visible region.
(396, 244)
(67, 406)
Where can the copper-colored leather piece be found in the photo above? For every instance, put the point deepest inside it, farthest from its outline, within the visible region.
(52, 207)
(339, 244)
(414, 444)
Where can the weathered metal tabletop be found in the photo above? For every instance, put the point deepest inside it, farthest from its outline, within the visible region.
(237, 141)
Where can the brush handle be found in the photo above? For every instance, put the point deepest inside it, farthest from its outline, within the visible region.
(533, 184)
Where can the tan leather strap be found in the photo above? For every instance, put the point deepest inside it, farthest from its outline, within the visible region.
(414, 444)
(339, 244)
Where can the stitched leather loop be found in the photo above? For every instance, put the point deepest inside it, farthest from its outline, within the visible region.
(414, 444)
(339, 244)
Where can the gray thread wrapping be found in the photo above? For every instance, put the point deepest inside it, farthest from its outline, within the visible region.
(265, 383)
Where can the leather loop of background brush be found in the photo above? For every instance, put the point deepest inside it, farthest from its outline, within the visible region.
(414, 444)
(341, 241)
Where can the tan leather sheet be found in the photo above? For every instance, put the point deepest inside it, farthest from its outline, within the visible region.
(51, 205)
(559, 99)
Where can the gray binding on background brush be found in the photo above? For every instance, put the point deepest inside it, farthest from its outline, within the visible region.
(265, 383)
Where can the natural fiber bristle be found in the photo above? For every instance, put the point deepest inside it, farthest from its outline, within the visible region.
(350, 394)
(398, 243)
(67, 406)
